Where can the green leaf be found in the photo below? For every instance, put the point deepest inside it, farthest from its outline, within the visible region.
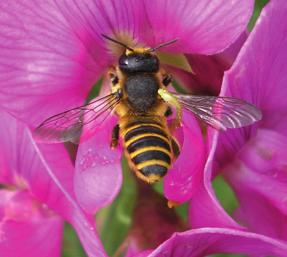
(176, 60)
(71, 244)
(95, 90)
(182, 211)
(227, 255)
(259, 4)
(225, 194)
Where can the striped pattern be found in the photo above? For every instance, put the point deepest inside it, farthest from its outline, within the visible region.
(148, 146)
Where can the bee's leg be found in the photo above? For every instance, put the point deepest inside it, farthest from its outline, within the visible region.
(175, 148)
(171, 99)
(168, 112)
(115, 136)
(113, 76)
(167, 79)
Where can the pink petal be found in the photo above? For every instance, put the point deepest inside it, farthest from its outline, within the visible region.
(183, 178)
(208, 70)
(123, 18)
(259, 173)
(98, 176)
(208, 73)
(205, 209)
(47, 172)
(206, 241)
(133, 251)
(44, 64)
(270, 222)
(259, 76)
(24, 224)
(200, 26)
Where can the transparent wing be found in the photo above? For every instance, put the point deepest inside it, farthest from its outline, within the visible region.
(68, 125)
(221, 112)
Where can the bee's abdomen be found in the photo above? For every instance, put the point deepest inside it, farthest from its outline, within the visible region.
(148, 147)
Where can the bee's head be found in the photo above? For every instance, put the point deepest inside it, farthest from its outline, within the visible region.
(138, 60)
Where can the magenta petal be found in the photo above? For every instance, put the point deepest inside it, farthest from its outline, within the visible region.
(208, 71)
(205, 209)
(259, 173)
(258, 213)
(98, 176)
(202, 27)
(205, 241)
(48, 174)
(44, 65)
(183, 178)
(259, 73)
(255, 156)
(121, 18)
(24, 227)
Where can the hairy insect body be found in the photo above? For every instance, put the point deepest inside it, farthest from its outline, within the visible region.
(143, 126)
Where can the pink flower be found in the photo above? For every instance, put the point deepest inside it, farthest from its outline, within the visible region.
(53, 53)
(206, 241)
(254, 159)
(37, 196)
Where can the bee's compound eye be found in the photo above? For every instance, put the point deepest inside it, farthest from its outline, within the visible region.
(123, 61)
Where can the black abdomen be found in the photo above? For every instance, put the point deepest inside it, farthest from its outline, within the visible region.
(148, 147)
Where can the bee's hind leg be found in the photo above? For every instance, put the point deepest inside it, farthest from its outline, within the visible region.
(168, 112)
(171, 99)
(115, 136)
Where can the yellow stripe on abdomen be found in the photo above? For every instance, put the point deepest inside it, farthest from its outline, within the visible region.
(134, 139)
(151, 163)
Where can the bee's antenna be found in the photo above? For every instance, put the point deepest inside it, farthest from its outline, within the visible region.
(117, 42)
(162, 45)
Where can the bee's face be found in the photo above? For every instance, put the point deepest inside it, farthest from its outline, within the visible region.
(138, 61)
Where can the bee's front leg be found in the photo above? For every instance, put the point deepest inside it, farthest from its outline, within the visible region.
(167, 79)
(113, 76)
(115, 136)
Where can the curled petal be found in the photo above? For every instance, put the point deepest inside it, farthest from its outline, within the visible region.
(24, 223)
(201, 27)
(205, 209)
(206, 241)
(254, 158)
(183, 178)
(259, 76)
(98, 176)
(46, 170)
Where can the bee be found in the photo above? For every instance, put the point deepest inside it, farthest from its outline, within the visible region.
(140, 99)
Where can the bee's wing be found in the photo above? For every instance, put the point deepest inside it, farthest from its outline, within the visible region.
(221, 112)
(68, 125)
